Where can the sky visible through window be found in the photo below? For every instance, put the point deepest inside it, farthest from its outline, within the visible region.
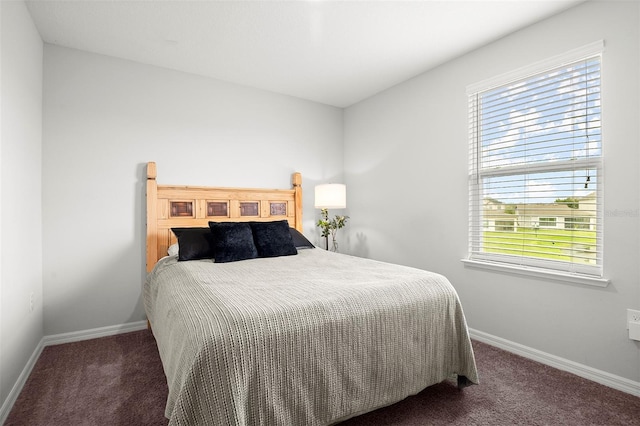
(549, 119)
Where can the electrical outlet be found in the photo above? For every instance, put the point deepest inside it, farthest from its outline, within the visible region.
(632, 316)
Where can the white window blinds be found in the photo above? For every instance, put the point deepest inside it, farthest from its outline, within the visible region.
(536, 170)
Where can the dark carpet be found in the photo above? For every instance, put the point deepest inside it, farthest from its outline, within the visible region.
(118, 380)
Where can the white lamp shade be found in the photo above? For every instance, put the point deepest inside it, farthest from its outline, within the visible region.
(331, 196)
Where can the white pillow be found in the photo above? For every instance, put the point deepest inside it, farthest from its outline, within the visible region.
(173, 250)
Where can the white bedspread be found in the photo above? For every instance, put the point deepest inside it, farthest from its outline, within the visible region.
(310, 339)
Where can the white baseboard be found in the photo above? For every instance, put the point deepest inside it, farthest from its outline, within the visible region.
(17, 387)
(598, 376)
(57, 339)
(94, 333)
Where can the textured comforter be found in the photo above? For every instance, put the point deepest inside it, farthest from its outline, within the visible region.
(310, 339)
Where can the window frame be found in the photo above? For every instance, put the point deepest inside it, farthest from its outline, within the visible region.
(564, 271)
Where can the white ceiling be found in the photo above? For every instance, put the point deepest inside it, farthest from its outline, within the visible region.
(333, 52)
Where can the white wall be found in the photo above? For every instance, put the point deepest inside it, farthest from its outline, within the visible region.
(104, 118)
(406, 157)
(20, 191)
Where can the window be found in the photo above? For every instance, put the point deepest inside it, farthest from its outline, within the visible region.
(547, 222)
(536, 167)
(577, 223)
(504, 225)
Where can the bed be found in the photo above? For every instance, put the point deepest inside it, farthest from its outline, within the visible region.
(282, 337)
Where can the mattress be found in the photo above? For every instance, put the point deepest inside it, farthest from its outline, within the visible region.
(309, 339)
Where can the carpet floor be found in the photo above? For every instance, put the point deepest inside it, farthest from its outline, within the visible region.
(118, 380)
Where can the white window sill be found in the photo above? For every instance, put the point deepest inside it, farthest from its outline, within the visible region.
(538, 272)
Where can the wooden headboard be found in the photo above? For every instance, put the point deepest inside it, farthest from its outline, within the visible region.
(170, 206)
